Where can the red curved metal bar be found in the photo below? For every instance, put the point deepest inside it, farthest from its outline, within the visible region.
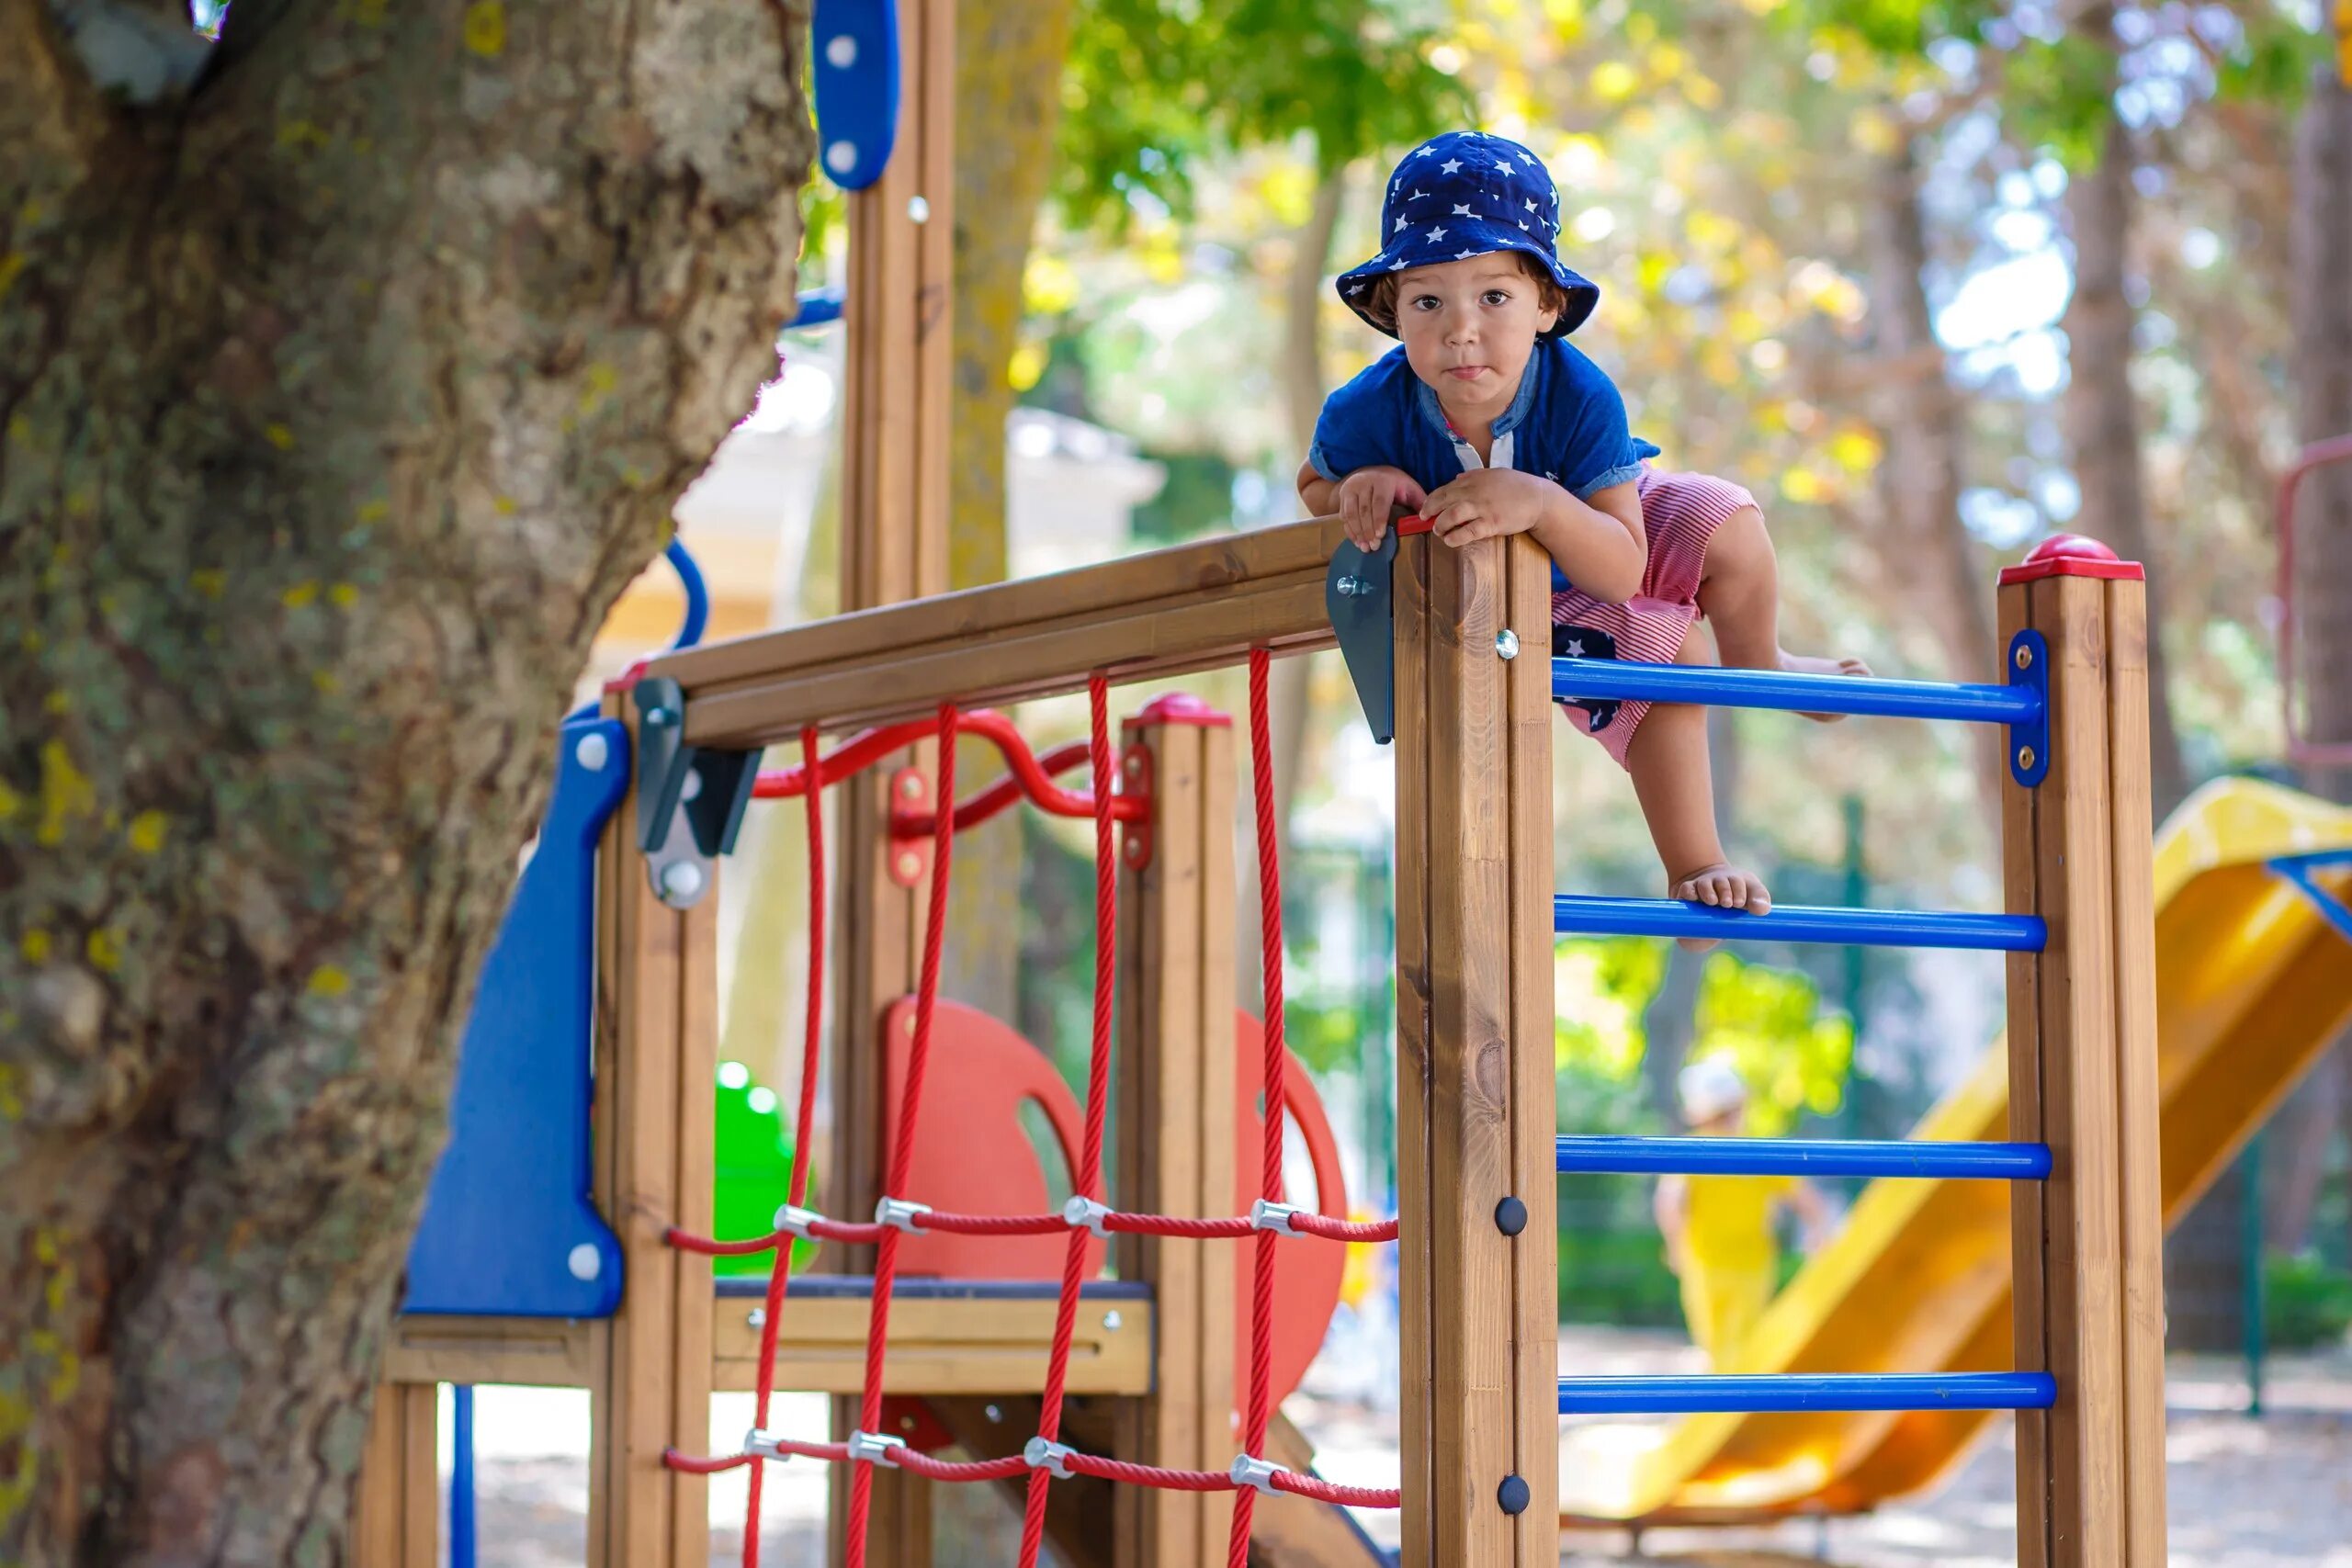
(1031, 775)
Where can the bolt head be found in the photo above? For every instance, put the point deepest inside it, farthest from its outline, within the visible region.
(841, 52)
(758, 1317)
(993, 1413)
(593, 752)
(2025, 758)
(917, 209)
(690, 789)
(682, 882)
(911, 787)
(2025, 656)
(842, 157)
(584, 1261)
(1111, 1320)
(660, 717)
(909, 863)
(1506, 643)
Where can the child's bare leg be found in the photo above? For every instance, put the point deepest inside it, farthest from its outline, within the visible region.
(1740, 595)
(1668, 759)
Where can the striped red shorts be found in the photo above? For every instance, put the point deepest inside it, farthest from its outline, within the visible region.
(1680, 514)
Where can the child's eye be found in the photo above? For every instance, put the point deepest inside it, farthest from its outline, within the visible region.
(1496, 297)
(1426, 302)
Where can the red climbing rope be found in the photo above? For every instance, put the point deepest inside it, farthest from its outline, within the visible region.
(1269, 929)
(1098, 1101)
(1045, 1458)
(886, 1256)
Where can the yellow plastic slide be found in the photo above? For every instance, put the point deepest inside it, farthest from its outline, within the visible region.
(2252, 983)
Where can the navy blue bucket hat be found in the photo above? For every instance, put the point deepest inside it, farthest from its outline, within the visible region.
(1468, 194)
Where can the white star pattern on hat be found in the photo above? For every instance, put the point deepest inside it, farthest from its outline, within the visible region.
(1505, 166)
(1451, 166)
(1522, 228)
(1531, 204)
(1403, 224)
(1464, 256)
(1436, 235)
(1355, 289)
(1423, 152)
(1462, 210)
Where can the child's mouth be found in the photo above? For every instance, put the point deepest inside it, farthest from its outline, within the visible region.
(1467, 372)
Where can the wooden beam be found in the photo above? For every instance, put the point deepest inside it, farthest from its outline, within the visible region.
(2086, 1243)
(535, 1353)
(396, 1506)
(1176, 1124)
(893, 547)
(941, 1341)
(649, 1363)
(1473, 951)
(1192, 607)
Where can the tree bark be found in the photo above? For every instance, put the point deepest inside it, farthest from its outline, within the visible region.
(1007, 64)
(1920, 476)
(344, 383)
(2102, 413)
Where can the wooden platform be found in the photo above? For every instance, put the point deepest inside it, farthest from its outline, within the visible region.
(947, 1336)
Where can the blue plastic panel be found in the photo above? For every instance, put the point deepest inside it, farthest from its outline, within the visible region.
(816, 308)
(1889, 1391)
(509, 1230)
(1627, 679)
(856, 46)
(1572, 915)
(1803, 1157)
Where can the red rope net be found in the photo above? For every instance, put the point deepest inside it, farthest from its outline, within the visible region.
(1045, 1457)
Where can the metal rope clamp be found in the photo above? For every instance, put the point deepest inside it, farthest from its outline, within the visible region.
(1085, 1213)
(873, 1448)
(1042, 1453)
(1257, 1474)
(1265, 1214)
(900, 1214)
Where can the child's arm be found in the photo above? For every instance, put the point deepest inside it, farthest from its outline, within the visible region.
(1667, 1204)
(1600, 545)
(1363, 499)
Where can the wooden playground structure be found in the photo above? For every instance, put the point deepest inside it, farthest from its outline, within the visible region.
(1152, 1379)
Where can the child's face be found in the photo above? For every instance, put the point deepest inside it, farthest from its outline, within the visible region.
(1468, 328)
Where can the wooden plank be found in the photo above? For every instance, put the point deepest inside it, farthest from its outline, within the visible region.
(2028, 1201)
(1080, 1525)
(893, 547)
(1534, 1105)
(1294, 1532)
(535, 1353)
(694, 1070)
(396, 1505)
(1415, 1201)
(1470, 1420)
(1176, 1095)
(941, 1346)
(878, 624)
(2138, 1112)
(1181, 636)
(634, 1370)
(614, 983)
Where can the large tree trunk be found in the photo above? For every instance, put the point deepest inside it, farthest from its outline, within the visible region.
(2103, 416)
(1008, 63)
(345, 378)
(1919, 478)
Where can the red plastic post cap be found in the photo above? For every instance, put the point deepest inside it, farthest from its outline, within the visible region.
(1182, 707)
(2072, 555)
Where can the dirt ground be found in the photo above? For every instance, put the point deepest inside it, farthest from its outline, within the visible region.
(2243, 1493)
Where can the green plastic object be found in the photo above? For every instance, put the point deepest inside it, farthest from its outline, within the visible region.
(753, 1155)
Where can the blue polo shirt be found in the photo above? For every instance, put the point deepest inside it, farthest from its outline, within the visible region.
(1567, 423)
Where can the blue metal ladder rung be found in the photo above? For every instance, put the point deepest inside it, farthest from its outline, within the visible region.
(1847, 1391)
(1574, 914)
(2298, 870)
(1612, 680)
(1803, 1157)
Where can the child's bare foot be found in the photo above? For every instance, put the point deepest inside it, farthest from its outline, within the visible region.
(1724, 888)
(1807, 664)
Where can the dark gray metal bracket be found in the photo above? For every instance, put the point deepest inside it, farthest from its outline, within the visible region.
(695, 788)
(1359, 596)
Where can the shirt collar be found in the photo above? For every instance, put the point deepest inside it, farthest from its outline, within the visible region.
(1521, 403)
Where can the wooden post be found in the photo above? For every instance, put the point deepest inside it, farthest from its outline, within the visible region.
(894, 546)
(1176, 1095)
(2087, 1245)
(1475, 1116)
(650, 1364)
(396, 1505)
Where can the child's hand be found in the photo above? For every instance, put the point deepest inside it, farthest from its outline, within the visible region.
(1368, 496)
(1486, 503)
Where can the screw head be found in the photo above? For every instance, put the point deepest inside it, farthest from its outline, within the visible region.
(841, 52)
(2025, 656)
(682, 882)
(994, 1413)
(1510, 1215)
(2025, 758)
(586, 1262)
(593, 752)
(842, 157)
(660, 717)
(909, 863)
(692, 788)
(758, 1317)
(910, 786)
(917, 209)
(1506, 643)
(1513, 1495)
(1111, 1320)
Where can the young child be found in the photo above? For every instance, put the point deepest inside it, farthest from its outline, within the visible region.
(1718, 1229)
(1487, 422)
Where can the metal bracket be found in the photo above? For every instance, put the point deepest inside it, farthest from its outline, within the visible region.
(1358, 595)
(2028, 665)
(694, 786)
(2298, 870)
